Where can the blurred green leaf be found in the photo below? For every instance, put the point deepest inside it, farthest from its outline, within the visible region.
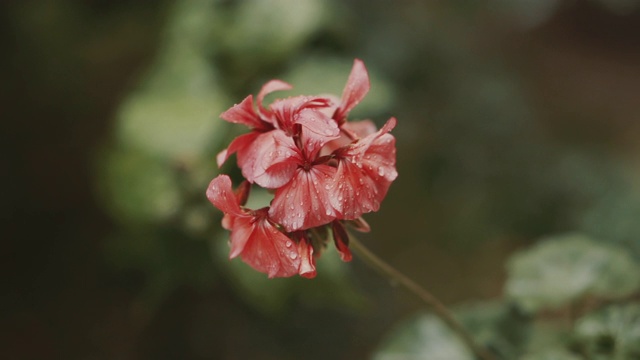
(552, 354)
(174, 111)
(611, 333)
(564, 268)
(137, 187)
(423, 337)
(289, 23)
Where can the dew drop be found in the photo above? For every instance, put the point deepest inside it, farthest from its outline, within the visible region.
(381, 171)
(328, 212)
(293, 255)
(288, 244)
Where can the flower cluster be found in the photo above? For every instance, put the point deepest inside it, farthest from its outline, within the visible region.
(325, 172)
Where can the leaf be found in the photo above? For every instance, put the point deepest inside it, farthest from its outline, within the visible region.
(611, 333)
(272, 29)
(423, 337)
(565, 268)
(552, 354)
(174, 110)
(137, 187)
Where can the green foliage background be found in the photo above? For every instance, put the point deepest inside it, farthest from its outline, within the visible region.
(517, 201)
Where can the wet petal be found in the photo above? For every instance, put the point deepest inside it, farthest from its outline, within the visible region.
(366, 170)
(239, 144)
(319, 125)
(220, 194)
(307, 261)
(268, 88)
(354, 91)
(287, 111)
(355, 191)
(305, 201)
(341, 240)
(269, 251)
(274, 160)
(243, 113)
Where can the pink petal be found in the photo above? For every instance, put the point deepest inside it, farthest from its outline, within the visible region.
(365, 172)
(287, 111)
(242, 228)
(239, 145)
(319, 126)
(354, 91)
(358, 128)
(341, 240)
(307, 261)
(221, 195)
(355, 193)
(270, 251)
(305, 201)
(268, 88)
(273, 159)
(243, 113)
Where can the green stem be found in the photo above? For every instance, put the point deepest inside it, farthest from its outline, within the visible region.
(438, 308)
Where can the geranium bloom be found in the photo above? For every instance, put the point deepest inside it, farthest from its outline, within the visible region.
(326, 173)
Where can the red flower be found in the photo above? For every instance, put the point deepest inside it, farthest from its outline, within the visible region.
(326, 173)
(253, 235)
(365, 171)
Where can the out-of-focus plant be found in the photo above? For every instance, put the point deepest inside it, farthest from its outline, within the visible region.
(478, 168)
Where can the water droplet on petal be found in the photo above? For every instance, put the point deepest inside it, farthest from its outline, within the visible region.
(293, 256)
(288, 243)
(381, 171)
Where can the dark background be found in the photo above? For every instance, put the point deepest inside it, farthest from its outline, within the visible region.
(512, 126)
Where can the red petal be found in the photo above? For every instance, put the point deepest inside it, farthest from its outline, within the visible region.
(274, 159)
(355, 192)
(359, 224)
(305, 201)
(242, 228)
(255, 152)
(221, 195)
(268, 88)
(358, 128)
(365, 172)
(354, 91)
(319, 127)
(307, 261)
(269, 251)
(243, 113)
(287, 111)
(341, 240)
(239, 144)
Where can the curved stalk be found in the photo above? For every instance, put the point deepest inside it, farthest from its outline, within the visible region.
(438, 308)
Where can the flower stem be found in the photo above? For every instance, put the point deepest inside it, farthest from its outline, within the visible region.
(438, 308)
